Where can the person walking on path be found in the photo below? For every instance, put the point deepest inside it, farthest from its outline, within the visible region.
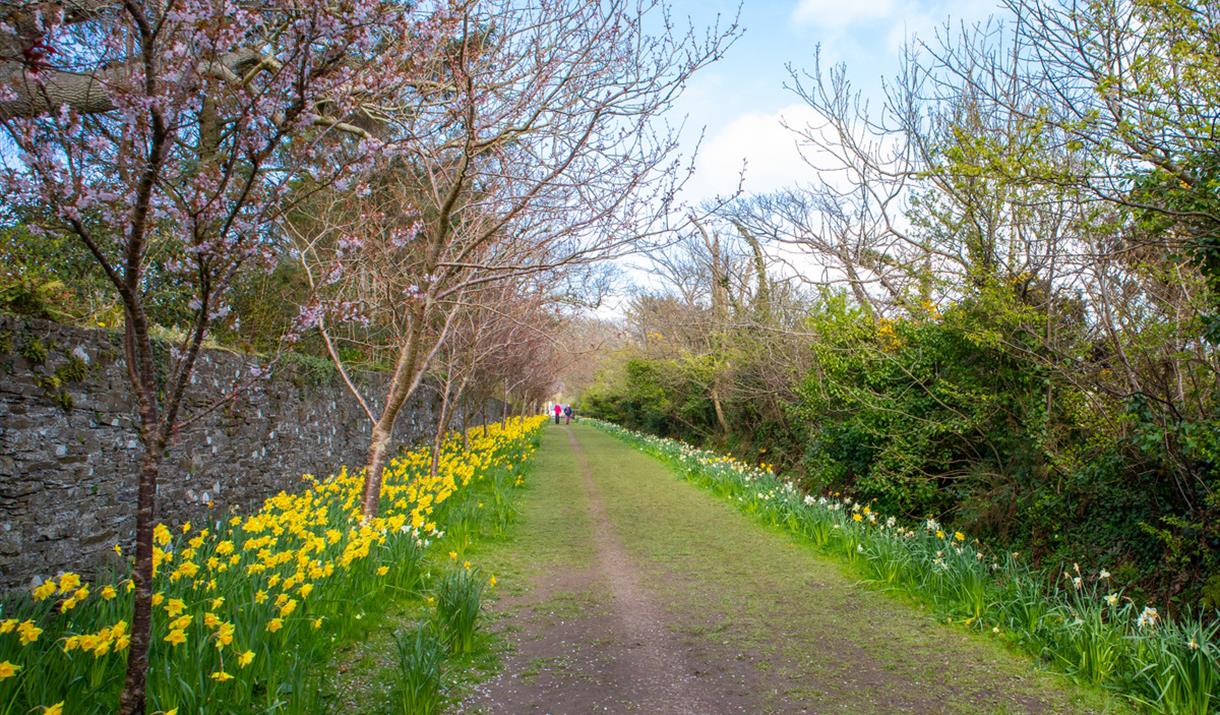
(567, 414)
(558, 411)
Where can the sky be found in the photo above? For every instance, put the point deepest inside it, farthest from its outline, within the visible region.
(740, 100)
(737, 105)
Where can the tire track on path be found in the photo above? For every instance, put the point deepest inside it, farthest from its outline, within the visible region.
(663, 680)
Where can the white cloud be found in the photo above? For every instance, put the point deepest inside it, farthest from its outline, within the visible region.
(767, 149)
(894, 21)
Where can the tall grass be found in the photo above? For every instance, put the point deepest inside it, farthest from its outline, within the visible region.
(1080, 622)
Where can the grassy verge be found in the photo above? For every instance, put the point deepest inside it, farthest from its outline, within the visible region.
(429, 646)
(1080, 623)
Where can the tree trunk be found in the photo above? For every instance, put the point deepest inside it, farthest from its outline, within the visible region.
(378, 444)
(141, 370)
(465, 426)
(135, 681)
(724, 425)
(442, 426)
(402, 385)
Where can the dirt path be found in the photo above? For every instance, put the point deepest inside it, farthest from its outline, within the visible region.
(654, 669)
(627, 590)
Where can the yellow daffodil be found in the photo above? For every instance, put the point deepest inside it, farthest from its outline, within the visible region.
(69, 582)
(28, 632)
(8, 669)
(44, 590)
(224, 635)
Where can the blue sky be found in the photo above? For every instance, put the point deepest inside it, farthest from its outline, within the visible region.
(741, 99)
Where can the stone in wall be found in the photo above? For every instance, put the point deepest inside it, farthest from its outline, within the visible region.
(69, 445)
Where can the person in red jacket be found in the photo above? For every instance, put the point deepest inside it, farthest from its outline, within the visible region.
(558, 411)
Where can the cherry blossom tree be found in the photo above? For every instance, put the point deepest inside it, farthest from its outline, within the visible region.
(535, 145)
(182, 129)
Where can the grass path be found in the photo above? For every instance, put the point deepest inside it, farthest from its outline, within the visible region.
(625, 589)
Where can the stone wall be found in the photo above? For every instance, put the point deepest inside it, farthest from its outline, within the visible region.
(69, 445)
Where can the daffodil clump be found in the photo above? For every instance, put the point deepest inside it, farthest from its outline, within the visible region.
(244, 607)
(1081, 622)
